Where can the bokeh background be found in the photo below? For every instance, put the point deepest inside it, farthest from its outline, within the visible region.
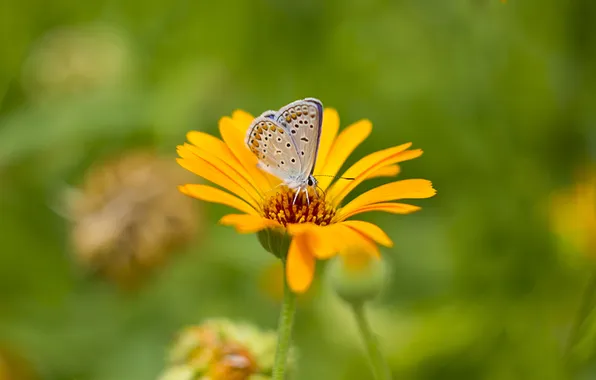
(95, 96)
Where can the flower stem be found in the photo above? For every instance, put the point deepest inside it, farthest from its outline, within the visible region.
(379, 365)
(284, 330)
(584, 311)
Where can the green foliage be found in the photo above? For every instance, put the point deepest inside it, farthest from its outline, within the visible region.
(499, 95)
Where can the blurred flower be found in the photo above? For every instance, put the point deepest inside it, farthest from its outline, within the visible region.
(221, 350)
(128, 216)
(318, 229)
(357, 277)
(73, 60)
(14, 367)
(573, 214)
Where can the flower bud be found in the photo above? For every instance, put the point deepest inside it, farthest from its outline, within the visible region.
(357, 277)
(275, 241)
(222, 350)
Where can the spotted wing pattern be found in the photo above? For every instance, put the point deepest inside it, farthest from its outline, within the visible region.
(273, 146)
(303, 120)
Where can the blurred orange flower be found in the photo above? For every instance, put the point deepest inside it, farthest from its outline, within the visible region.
(14, 366)
(573, 214)
(220, 349)
(319, 228)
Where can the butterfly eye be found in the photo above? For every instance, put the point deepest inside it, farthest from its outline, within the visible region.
(310, 182)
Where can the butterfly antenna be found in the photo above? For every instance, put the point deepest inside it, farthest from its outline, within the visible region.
(320, 188)
(334, 176)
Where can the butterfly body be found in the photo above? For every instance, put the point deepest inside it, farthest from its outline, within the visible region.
(286, 142)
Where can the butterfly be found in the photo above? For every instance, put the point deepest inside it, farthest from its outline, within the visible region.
(286, 143)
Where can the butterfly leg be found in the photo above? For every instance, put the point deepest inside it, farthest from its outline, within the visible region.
(296, 196)
(306, 192)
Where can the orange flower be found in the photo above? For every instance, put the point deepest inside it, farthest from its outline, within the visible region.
(319, 228)
(573, 213)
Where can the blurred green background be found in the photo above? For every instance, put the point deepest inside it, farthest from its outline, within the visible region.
(501, 97)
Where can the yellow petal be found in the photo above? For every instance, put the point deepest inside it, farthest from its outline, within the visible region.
(328, 134)
(242, 119)
(216, 147)
(234, 139)
(322, 240)
(387, 171)
(246, 224)
(393, 208)
(406, 189)
(326, 241)
(211, 194)
(353, 240)
(213, 174)
(368, 165)
(372, 231)
(300, 268)
(209, 143)
(341, 149)
(231, 168)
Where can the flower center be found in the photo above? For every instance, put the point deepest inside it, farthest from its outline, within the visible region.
(282, 208)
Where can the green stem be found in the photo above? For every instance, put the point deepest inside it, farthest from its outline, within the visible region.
(584, 311)
(284, 330)
(377, 361)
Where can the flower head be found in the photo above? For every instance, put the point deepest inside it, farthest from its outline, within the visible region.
(319, 227)
(221, 350)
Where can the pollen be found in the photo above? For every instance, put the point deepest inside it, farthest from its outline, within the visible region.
(282, 208)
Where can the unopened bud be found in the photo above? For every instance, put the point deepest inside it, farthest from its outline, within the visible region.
(275, 241)
(357, 277)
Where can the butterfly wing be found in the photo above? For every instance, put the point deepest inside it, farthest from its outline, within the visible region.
(274, 147)
(303, 120)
